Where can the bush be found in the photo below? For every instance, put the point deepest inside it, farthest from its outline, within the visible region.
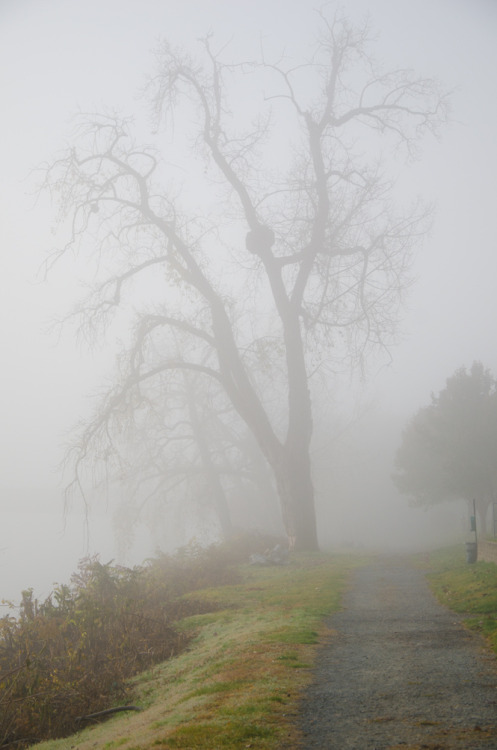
(72, 654)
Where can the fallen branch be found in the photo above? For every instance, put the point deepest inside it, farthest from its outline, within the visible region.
(107, 712)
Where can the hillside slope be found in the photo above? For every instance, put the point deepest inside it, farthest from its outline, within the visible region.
(239, 682)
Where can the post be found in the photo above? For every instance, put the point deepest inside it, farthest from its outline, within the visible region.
(474, 516)
(472, 547)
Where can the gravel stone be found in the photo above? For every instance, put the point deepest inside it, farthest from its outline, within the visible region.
(399, 672)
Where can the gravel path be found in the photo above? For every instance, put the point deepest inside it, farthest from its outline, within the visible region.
(400, 672)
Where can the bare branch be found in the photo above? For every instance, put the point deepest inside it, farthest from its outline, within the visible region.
(289, 245)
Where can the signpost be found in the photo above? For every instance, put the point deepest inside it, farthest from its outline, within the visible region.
(472, 547)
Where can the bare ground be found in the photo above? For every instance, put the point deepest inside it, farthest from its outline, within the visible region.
(400, 672)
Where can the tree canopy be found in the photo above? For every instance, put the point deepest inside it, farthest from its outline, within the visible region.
(449, 448)
(253, 239)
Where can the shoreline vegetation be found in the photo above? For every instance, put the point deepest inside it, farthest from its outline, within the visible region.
(215, 651)
(249, 637)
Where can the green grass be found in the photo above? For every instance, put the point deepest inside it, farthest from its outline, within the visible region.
(239, 682)
(468, 589)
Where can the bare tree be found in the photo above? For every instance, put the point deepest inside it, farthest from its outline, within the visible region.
(183, 447)
(270, 244)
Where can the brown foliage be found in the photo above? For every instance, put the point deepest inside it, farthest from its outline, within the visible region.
(72, 654)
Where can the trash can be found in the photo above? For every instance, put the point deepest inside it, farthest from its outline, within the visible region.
(471, 552)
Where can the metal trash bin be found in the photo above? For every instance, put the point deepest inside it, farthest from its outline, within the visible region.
(471, 552)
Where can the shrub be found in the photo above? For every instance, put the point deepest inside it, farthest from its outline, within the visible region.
(72, 654)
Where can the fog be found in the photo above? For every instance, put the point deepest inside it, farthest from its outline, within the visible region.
(59, 58)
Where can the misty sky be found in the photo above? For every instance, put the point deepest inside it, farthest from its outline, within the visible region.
(59, 57)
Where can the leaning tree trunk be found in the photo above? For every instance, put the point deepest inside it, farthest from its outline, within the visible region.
(290, 461)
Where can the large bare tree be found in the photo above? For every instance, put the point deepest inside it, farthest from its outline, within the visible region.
(258, 228)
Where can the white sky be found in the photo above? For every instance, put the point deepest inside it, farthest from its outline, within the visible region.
(59, 56)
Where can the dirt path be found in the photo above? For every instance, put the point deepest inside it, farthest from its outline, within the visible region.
(401, 672)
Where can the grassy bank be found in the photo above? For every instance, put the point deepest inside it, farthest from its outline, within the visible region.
(468, 589)
(238, 684)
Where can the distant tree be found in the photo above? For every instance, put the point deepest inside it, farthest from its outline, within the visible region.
(259, 228)
(449, 448)
(184, 448)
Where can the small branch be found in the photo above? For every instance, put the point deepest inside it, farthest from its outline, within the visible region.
(107, 712)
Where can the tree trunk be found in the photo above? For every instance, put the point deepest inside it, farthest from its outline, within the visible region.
(296, 493)
(289, 461)
(298, 496)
